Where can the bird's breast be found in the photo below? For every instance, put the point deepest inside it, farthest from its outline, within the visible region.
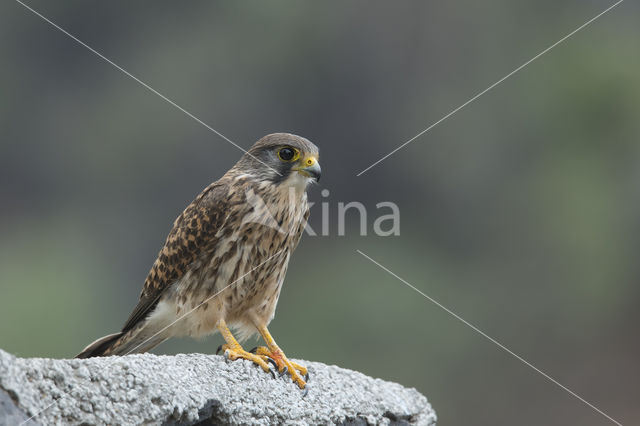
(245, 269)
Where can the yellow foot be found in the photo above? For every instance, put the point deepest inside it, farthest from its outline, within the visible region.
(296, 371)
(233, 353)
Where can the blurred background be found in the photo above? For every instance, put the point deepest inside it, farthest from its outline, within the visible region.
(521, 212)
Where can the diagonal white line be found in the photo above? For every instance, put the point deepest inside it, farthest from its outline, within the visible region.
(491, 87)
(178, 319)
(205, 301)
(491, 339)
(142, 83)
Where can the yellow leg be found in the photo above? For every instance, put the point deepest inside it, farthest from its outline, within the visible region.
(274, 352)
(233, 350)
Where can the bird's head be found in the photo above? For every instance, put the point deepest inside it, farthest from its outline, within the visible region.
(282, 158)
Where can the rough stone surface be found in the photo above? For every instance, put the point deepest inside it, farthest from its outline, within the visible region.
(10, 414)
(195, 388)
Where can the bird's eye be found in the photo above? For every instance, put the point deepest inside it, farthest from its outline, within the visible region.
(287, 153)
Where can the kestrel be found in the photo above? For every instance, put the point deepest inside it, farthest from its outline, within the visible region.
(224, 261)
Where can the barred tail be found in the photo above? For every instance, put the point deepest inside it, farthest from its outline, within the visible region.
(100, 347)
(142, 338)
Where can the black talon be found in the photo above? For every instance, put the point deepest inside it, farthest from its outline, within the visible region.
(272, 362)
(284, 371)
(273, 373)
(219, 349)
(254, 350)
(306, 376)
(305, 391)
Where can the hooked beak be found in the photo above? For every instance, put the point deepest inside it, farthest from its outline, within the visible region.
(310, 168)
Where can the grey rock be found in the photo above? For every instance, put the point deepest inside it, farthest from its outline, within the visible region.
(10, 414)
(196, 389)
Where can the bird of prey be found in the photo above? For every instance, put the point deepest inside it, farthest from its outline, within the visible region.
(224, 261)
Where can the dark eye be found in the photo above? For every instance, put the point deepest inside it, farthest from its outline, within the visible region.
(286, 153)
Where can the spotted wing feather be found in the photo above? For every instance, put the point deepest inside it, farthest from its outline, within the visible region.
(193, 233)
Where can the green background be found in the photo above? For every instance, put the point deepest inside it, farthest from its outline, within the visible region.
(521, 213)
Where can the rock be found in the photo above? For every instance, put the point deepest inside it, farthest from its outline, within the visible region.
(10, 414)
(195, 389)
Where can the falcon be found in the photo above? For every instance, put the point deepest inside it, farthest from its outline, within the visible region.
(223, 263)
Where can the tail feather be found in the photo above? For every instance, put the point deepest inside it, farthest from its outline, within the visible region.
(100, 347)
(142, 338)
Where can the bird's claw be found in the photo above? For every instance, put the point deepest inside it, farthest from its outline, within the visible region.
(284, 371)
(263, 356)
(284, 366)
(272, 362)
(236, 352)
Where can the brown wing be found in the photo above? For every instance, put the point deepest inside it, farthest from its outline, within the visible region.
(193, 232)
